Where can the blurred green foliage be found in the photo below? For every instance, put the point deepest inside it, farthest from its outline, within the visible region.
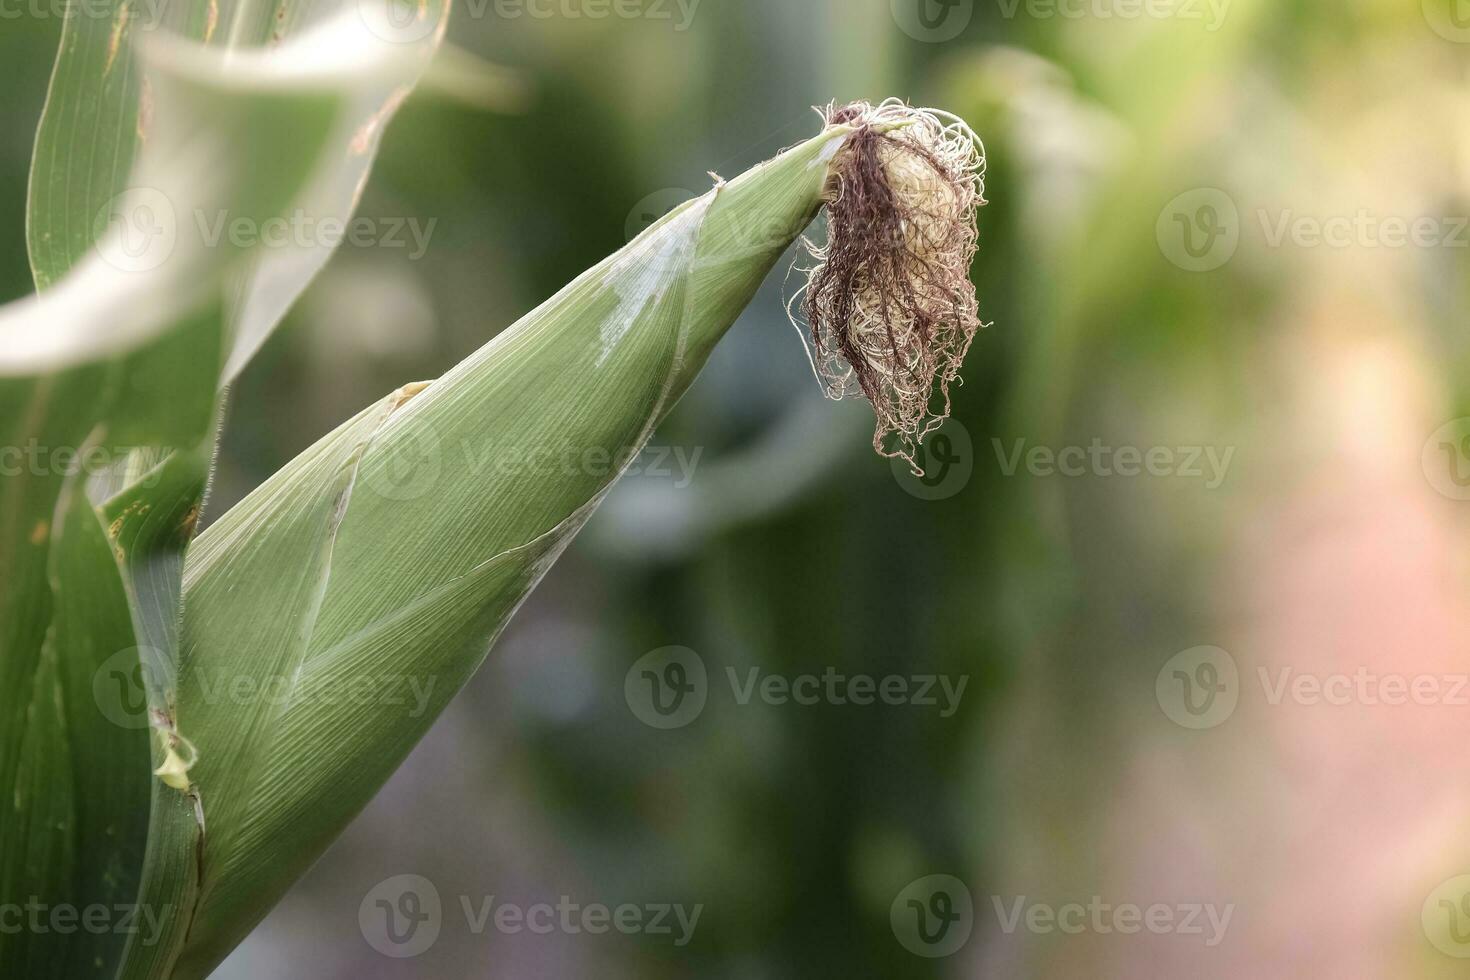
(1058, 598)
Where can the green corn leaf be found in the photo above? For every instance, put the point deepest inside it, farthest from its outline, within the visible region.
(103, 106)
(389, 556)
(135, 329)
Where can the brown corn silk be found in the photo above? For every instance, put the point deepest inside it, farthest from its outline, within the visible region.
(889, 307)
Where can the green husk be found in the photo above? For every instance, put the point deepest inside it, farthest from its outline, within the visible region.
(400, 545)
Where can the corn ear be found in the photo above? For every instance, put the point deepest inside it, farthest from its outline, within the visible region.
(400, 545)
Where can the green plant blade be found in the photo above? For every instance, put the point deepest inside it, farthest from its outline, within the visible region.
(123, 348)
(102, 108)
(387, 558)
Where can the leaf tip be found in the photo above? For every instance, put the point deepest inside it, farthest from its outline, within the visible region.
(407, 394)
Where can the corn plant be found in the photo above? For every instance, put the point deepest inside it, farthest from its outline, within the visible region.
(381, 550)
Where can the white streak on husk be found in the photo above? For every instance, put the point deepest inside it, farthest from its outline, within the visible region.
(642, 274)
